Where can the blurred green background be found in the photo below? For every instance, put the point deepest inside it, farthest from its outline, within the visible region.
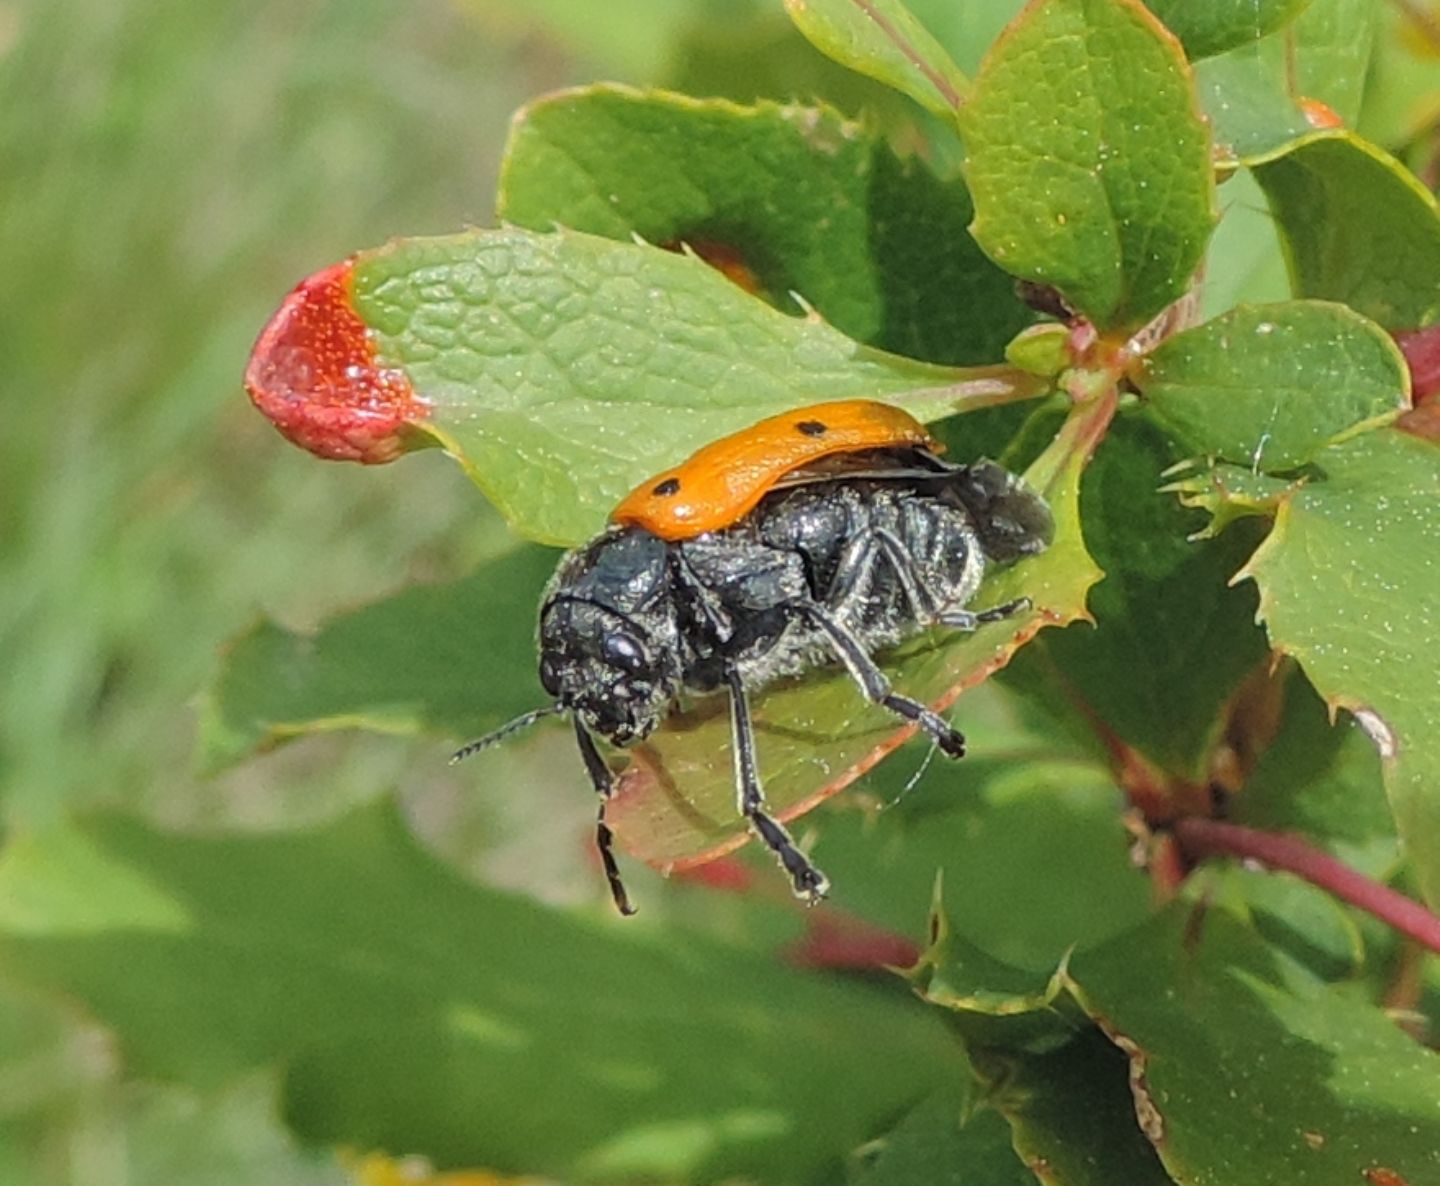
(170, 169)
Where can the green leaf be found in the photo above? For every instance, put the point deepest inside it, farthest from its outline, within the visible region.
(1329, 939)
(1323, 780)
(1229, 493)
(1246, 94)
(966, 30)
(942, 1142)
(1172, 641)
(1271, 385)
(1245, 1069)
(1253, 93)
(883, 40)
(175, 1136)
(1093, 179)
(1331, 42)
(750, 50)
(1219, 25)
(1348, 585)
(1376, 247)
(992, 1002)
(455, 659)
(1245, 263)
(419, 1012)
(563, 369)
(1016, 804)
(807, 202)
(676, 803)
(1072, 1114)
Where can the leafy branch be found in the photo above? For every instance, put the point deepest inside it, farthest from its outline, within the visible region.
(1201, 838)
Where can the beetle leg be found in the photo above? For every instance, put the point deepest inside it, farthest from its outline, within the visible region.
(873, 682)
(858, 561)
(852, 571)
(922, 601)
(604, 838)
(810, 884)
(719, 622)
(964, 619)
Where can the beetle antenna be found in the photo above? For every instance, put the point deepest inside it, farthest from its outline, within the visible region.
(914, 779)
(521, 722)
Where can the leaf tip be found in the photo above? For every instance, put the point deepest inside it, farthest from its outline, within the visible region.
(1376, 727)
(314, 374)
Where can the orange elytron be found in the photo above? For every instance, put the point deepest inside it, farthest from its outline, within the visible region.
(725, 480)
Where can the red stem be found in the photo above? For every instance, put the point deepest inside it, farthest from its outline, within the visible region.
(1206, 837)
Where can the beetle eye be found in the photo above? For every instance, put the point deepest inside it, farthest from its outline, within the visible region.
(620, 650)
(550, 668)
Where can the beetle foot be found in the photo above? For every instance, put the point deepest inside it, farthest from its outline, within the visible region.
(810, 885)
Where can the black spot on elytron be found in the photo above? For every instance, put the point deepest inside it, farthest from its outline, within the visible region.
(811, 428)
(666, 488)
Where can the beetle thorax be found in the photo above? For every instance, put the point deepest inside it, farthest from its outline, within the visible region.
(608, 635)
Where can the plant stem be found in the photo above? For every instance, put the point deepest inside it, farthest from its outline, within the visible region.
(1206, 837)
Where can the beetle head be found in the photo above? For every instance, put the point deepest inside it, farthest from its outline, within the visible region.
(604, 667)
(607, 635)
(1010, 519)
(607, 640)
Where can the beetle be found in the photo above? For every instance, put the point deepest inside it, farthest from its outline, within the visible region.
(818, 537)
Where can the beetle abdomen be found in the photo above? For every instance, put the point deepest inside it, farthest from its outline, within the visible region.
(883, 558)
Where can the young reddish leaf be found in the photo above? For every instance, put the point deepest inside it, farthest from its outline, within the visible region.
(315, 375)
(1421, 348)
(836, 940)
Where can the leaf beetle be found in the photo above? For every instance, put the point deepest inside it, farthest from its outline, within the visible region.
(817, 537)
